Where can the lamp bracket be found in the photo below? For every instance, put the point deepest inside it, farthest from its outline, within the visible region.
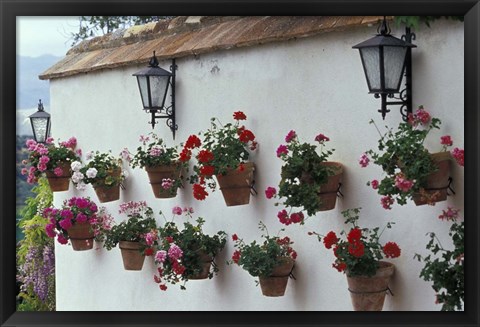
(169, 112)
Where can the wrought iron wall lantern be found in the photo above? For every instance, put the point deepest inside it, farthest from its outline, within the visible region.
(385, 60)
(40, 121)
(153, 83)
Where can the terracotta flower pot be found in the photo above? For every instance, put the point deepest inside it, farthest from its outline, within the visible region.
(108, 193)
(132, 257)
(236, 185)
(157, 174)
(81, 236)
(60, 183)
(436, 186)
(328, 191)
(275, 284)
(368, 293)
(206, 261)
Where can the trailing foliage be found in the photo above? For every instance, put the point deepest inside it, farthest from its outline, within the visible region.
(35, 254)
(444, 267)
(304, 172)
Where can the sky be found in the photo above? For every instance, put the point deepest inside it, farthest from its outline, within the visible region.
(41, 35)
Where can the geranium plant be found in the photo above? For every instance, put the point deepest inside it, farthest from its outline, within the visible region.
(260, 259)
(186, 253)
(76, 210)
(405, 160)
(155, 153)
(360, 252)
(445, 267)
(139, 226)
(102, 170)
(49, 158)
(224, 147)
(304, 173)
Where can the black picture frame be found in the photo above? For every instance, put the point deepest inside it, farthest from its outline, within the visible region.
(10, 9)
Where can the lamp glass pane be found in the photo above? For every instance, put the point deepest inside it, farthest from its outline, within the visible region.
(394, 59)
(371, 63)
(142, 85)
(158, 86)
(40, 126)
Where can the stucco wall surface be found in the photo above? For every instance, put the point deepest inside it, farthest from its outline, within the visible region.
(314, 85)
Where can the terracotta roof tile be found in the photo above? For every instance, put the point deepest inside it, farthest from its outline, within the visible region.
(191, 35)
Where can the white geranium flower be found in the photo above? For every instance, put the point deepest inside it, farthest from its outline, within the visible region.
(77, 177)
(125, 174)
(81, 186)
(91, 173)
(76, 165)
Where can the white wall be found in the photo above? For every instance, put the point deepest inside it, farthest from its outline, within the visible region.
(314, 85)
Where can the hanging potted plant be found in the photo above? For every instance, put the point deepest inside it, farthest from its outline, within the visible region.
(271, 261)
(308, 180)
(224, 153)
(135, 235)
(411, 171)
(79, 221)
(103, 171)
(52, 161)
(187, 253)
(445, 267)
(360, 258)
(162, 165)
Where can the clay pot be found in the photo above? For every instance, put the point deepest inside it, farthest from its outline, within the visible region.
(368, 293)
(81, 236)
(275, 284)
(206, 261)
(157, 174)
(328, 191)
(236, 185)
(437, 182)
(108, 193)
(59, 183)
(132, 257)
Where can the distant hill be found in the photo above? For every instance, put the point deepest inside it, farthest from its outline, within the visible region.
(30, 88)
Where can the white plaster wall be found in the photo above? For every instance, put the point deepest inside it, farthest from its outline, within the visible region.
(314, 85)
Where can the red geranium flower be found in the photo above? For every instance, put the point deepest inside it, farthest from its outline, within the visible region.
(205, 156)
(340, 266)
(185, 155)
(199, 192)
(234, 237)
(246, 136)
(239, 115)
(391, 250)
(330, 239)
(354, 235)
(357, 249)
(148, 252)
(236, 256)
(192, 142)
(163, 287)
(207, 170)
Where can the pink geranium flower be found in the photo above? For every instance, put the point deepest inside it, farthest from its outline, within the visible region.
(270, 192)
(282, 150)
